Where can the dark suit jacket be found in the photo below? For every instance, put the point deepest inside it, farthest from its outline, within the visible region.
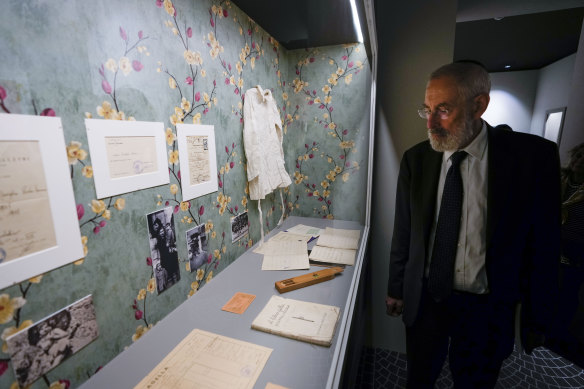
(523, 223)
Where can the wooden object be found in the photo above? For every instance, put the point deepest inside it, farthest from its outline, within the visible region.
(294, 283)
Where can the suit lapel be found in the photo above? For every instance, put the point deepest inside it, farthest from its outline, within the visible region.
(431, 174)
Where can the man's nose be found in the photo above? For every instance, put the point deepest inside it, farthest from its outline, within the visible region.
(433, 120)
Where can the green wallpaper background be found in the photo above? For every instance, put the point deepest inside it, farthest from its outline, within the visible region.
(188, 61)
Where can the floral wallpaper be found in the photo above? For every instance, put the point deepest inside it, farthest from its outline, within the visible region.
(172, 62)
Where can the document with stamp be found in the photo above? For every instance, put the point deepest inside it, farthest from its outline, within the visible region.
(26, 222)
(239, 302)
(198, 152)
(207, 360)
(130, 155)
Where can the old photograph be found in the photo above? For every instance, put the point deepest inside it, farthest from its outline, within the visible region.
(163, 248)
(239, 227)
(39, 348)
(197, 247)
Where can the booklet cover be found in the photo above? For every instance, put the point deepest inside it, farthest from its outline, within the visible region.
(301, 320)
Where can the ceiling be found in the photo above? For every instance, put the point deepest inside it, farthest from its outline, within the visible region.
(532, 33)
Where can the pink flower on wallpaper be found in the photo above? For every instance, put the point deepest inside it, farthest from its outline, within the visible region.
(330, 109)
(178, 174)
(159, 3)
(347, 164)
(220, 186)
(3, 367)
(190, 32)
(148, 261)
(189, 80)
(345, 57)
(102, 223)
(223, 234)
(137, 65)
(231, 164)
(311, 60)
(253, 45)
(341, 156)
(209, 258)
(309, 194)
(321, 106)
(310, 156)
(350, 64)
(297, 71)
(135, 305)
(65, 383)
(138, 314)
(225, 14)
(2, 93)
(236, 208)
(201, 210)
(48, 112)
(205, 111)
(311, 102)
(231, 210)
(345, 132)
(107, 88)
(197, 96)
(96, 230)
(123, 34)
(140, 34)
(236, 91)
(249, 31)
(297, 165)
(233, 145)
(212, 22)
(176, 209)
(314, 92)
(329, 202)
(229, 66)
(80, 211)
(226, 81)
(214, 83)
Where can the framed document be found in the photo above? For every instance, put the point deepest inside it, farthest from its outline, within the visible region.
(554, 123)
(126, 155)
(39, 230)
(198, 161)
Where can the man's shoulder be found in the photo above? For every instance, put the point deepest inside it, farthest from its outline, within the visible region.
(420, 148)
(520, 141)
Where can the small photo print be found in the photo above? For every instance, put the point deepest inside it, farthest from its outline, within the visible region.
(197, 247)
(239, 227)
(39, 348)
(163, 248)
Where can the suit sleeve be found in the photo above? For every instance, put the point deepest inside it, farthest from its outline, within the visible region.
(544, 243)
(400, 243)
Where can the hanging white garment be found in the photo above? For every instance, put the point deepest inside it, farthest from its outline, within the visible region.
(262, 139)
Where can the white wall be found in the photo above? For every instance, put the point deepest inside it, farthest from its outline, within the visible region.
(512, 99)
(553, 90)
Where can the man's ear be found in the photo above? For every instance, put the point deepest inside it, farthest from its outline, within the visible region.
(480, 104)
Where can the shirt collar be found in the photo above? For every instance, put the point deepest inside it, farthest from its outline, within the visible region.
(477, 147)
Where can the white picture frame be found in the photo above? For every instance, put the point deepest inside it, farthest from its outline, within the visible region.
(99, 134)
(190, 187)
(48, 132)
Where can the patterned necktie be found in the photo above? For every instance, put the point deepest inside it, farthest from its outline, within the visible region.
(441, 275)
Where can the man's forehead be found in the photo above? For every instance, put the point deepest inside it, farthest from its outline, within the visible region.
(441, 91)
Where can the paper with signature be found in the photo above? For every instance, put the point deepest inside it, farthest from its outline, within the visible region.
(301, 229)
(131, 155)
(285, 255)
(207, 360)
(301, 320)
(26, 222)
(198, 151)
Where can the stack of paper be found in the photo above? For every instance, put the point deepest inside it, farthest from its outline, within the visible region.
(301, 320)
(285, 251)
(308, 231)
(336, 246)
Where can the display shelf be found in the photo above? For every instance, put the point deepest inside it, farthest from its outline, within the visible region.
(292, 364)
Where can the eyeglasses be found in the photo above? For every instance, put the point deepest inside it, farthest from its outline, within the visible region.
(442, 112)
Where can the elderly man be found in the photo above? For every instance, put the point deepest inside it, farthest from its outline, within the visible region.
(477, 230)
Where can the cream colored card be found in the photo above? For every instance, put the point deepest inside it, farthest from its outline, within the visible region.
(301, 229)
(26, 222)
(342, 239)
(130, 155)
(269, 385)
(239, 303)
(333, 255)
(281, 237)
(207, 360)
(198, 151)
(285, 255)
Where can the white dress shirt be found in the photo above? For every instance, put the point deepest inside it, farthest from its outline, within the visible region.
(470, 273)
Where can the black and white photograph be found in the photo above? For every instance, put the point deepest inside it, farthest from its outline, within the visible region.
(163, 248)
(239, 227)
(197, 247)
(44, 345)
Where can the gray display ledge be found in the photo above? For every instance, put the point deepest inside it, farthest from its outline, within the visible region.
(293, 364)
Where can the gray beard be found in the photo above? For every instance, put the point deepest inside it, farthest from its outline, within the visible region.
(451, 141)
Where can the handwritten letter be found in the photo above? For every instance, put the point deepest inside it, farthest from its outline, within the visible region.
(131, 155)
(198, 150)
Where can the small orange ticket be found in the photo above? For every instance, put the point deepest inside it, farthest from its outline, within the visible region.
(269, 385)
(238, 303)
